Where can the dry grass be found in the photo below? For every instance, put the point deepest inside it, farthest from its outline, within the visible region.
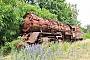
(76, 51)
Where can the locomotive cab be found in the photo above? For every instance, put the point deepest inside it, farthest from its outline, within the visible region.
(77, 34)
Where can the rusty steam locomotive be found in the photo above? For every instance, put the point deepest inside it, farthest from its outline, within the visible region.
(37, 30)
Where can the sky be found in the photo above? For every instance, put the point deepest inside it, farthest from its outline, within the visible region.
(84, 10)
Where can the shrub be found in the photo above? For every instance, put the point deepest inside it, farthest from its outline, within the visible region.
(11, 13)
(6, 49)
(86, 35)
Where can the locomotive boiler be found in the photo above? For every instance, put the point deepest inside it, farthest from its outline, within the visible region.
(37, 30)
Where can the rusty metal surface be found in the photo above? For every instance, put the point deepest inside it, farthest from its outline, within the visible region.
(77, 29)
(33, 23)
(49, 29)
(33, 37)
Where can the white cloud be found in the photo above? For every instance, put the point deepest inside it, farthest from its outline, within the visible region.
(84, 10)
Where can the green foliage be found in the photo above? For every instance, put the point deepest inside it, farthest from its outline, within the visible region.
(86, 35)
(52, 46)
(6, 48)
(11, 13)
(59, 8)
(76, 51)
(87, 29)
(9, 45)
(66, 13)
(65, 46)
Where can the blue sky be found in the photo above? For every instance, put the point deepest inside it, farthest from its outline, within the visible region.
(84, 10)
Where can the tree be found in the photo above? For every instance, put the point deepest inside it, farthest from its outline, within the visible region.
(11, 13)
(75, 14)
(87, 29)
(66, 13)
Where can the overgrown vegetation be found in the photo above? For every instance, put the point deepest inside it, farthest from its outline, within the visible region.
(12, 11)
(86, 36)
(87, 31)
(62, 51)
(6, 49)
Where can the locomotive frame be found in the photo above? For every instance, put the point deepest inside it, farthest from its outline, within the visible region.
(37, 30)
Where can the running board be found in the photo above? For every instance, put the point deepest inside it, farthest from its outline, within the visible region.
(33, 37)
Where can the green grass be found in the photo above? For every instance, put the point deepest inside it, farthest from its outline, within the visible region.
(60, 51)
